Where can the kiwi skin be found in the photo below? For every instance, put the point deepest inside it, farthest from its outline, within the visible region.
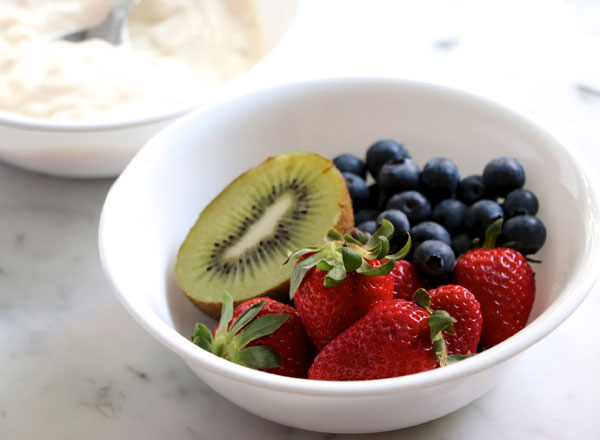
(344, 225)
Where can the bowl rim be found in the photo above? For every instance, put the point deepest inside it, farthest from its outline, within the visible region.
(209, 98)
(39, 124)
(574, 292)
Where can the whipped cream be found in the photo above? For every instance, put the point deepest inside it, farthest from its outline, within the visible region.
(179, 51)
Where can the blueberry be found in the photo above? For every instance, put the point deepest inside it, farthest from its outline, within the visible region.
(399, 175)
(450, 213)
(377, 197)
(384, 151)
(470, 189)
(480, 215)
(414, 204)
(502, 175)
(358, 190)
(429, 231)
(520, 202)
(369, 226)
(434, 258)
(364, 215)
(400, 222)
(439, 178)
(461, 243)
(523, 233)
(351, 164)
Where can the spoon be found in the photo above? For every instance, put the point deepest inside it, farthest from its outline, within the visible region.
(112, 29)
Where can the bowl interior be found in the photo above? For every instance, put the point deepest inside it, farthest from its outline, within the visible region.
(157, 199)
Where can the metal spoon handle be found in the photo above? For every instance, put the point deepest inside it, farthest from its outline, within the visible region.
(112, 29)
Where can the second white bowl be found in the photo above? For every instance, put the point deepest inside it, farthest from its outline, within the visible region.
(103, 149)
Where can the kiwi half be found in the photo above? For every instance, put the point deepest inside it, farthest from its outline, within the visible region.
(242, 238)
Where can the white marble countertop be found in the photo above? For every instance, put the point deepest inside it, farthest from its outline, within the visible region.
(74, 365)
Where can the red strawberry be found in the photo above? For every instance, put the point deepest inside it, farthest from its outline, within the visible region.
(328, 311)
(393, 339)
(503, 283)
(333, 286)
(406, 280)
(462, 306)
(262, 333)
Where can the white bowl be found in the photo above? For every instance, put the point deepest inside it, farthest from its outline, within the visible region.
(103, 149)
(157, 198)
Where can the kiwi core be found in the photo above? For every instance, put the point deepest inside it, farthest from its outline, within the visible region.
(264, 227)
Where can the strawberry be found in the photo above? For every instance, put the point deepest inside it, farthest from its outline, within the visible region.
(333, 286)
(395, 338)
(503, 283)
(406, 280)
(370, 290)
(261, 333)
(326, 311)
(329, 310)
(464, 307)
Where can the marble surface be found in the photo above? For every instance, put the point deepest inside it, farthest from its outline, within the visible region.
(74, 365)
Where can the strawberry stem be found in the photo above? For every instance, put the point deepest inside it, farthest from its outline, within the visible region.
(491, 234)
(438, 322)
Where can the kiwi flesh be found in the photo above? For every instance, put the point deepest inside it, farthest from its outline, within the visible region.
(242, 238)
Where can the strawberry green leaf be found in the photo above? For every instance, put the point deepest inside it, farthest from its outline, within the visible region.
(352, 260)
(260, 357)
(423, 298)
(226, 314)
(361, 236)
(202, 337)
(350, 239)
(491, 234)
(384, 247)
(440, 321)
(262, 326)
(296, 278)
(300, 270)
(331, 282)
(364, 267)
(457, 358)
(384, 269)
(300, 252)
(335, 276)
(324, 266)
(333, 235)
(379, 250)
(373, 244)
(311, 260)
(402, 252)
(247, 315)
(386, 229)
(373, 252)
